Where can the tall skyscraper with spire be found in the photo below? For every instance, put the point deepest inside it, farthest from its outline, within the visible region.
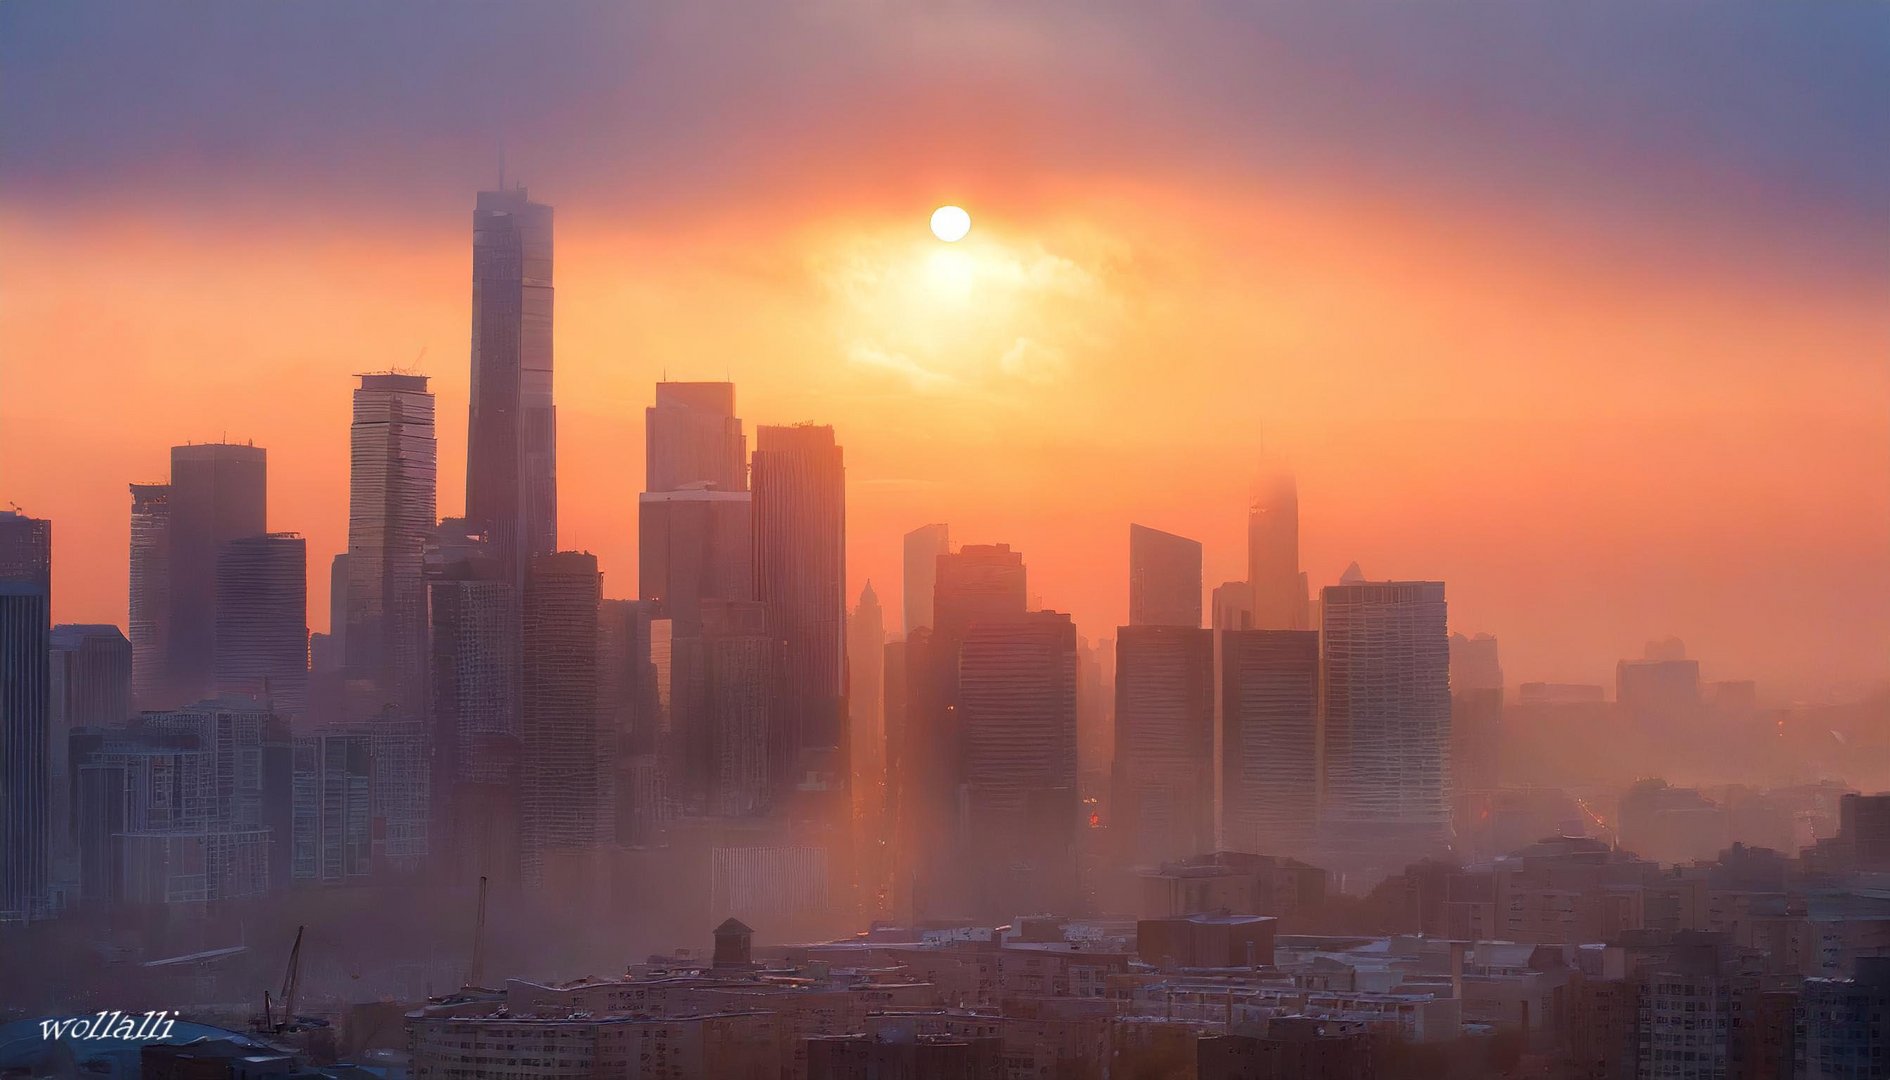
(800, 574)
(512, 428)
(392, 513)
(1280, 600)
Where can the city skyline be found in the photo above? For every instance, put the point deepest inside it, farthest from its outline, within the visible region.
(1595, 436)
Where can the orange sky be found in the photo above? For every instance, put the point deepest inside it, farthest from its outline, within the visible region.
(1592, 451)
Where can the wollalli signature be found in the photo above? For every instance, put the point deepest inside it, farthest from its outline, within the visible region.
(150, 1027)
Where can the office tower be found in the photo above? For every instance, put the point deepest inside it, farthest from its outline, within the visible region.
(512, 427)
(1163, 795)
(90, 688)
(1279, 589)
(392, 490)
(866, 700)
(1385, 694)
(338, 606)
(262, 620)
(694, 546)
(1269, 740)
(977, 583)
(1017, 705)
(1233, 606)
(693, 439)
(565, 769)
(1476, 714)
(722, 678)
(218, 493)
(150, 607)
(1164, 578)
(633, 700)
(333, 831)
(1660, 688)
(402, 797)
(26, 828)
(241, 811)
(922, 548)
(474, 705)
(800, 507)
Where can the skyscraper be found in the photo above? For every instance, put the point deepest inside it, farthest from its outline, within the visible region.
(1017, 704)
(90, 688)
(1385, 694)
(1164, 578)
(392, 491)
(474, 703)
(150, 608)
(218, 493)
(1163, 793)
(512, 427)
(800, 575)
(693, 439)
(1279, 588)
(1269, 740)
(1233, 606)
(25, 714)
(866, 699)
(977, 583)
(565, 763)
(1476, 714)
(694, 545)
(923, 547)
(262, 620)
(722, 680)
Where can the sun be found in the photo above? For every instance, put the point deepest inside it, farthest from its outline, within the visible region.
(950, 223)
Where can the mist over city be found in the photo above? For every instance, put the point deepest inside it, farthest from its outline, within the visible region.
(846, 541)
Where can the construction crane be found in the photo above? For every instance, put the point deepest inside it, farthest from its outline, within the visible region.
(477, 971)
(291, 980)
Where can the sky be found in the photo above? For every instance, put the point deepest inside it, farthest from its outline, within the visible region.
(1580, 309)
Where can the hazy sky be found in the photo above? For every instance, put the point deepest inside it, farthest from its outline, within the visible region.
(1583, 309)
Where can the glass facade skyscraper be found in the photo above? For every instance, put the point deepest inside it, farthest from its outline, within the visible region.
(392, 513)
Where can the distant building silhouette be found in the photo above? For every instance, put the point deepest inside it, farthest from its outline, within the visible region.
(1385, 694)
(800, 575)
(512, 426)
(475, 702)
(1164, 578)
(392, 492)
(923, 546)
(1279, 588)
(866, 696)
(565, 767)
(149, 621)
(1270, 739)
(218, 493)
(1476, 714)
(90, 688)
(1017, 707)
(693, 439)
(723, 676)
(1163, 795)
(262, 620)
(1233, 606)
(26, 795)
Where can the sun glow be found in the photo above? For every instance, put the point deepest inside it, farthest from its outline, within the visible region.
(950, 223)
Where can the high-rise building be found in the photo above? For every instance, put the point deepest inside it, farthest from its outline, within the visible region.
(1476, 714)
(800, 506)
(233, 850)
(1164, 578)
(693, 439)
(333, 832)
(1385, 695)
(866, 699)
(633, 699)
(1163, 795)
(474, 705)
(150, 607)
(1269, 740)
(262, 620)
(1279, 588)
(26, 828)
(90, 688)
(512, 426)
(1017, 706)
(1233, 606)
(392, 491)
(722, 678)
(694, 545)
(923, 546)
(565, 769)
(977, 583)
(218, 493)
